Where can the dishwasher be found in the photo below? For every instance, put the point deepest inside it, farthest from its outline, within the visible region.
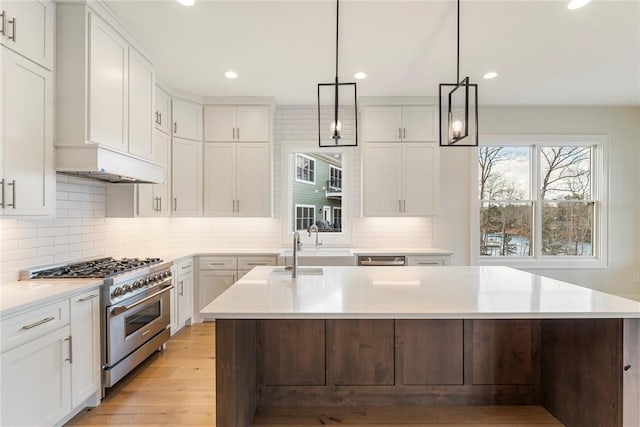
(382, 260)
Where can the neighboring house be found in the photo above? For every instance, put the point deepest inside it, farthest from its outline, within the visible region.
(317, 191)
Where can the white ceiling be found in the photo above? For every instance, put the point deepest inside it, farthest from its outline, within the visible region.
(544, 53)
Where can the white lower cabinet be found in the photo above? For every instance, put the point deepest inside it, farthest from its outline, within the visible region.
(85, 347)
(50, 361)
(36, 381)
(182, 303)
(216, 274)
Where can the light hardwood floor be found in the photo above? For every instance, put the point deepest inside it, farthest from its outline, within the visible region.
(177, 388)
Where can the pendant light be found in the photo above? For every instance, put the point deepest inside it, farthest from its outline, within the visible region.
(458, 126)
(337, 108)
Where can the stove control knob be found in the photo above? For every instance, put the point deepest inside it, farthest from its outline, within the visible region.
(126, 289)
(136, 284)
(146, 281)
(158, 276)
(116, 292)
(168, 273)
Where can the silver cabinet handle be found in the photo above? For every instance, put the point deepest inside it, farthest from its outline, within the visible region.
(238, 133)
(181, 288)
(159, 204)
(90, 297)
(399, 133)
(70, 358)
(3, 17)
(156, 113)
(429, 263)
(175, 127)
(38, 323)
(160, 118)
(13, 191)
(399, 205)
(404, 206)
(233, 132)
(2, 192)
(404, 133)
(213, 263)
(237, 205)
(13, 35)
(175, 203)
(233, 205)
(184, 267)
(257, 263)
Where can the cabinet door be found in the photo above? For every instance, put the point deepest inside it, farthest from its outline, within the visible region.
(252, 123)
(36, 381)
(108, 91)
(186, 177)
(185, 297)
(213, 283)
(383, 124)
(253, 192)
(381, 179)
(187, 119)
(162, 116)
(26, 129)
(141, 103)
(29, 29)
(85, 333)
(419, 123)
(220, 179)
(154, 199)
(420, 174)
(219, 123)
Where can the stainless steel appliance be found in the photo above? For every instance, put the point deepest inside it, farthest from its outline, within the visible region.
(135, 303)
(382, 260)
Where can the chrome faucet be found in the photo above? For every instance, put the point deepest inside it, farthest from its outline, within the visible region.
(296, 247)
(314, 228)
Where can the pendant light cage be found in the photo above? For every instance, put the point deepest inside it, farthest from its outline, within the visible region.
(337, 108)
(458, 106)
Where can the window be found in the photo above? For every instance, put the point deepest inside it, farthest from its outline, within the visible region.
(336, 221)
(305, 216)
(305, 169)
(540, 200)
(335, 178)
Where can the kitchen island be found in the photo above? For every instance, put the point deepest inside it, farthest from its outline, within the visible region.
(425, 336)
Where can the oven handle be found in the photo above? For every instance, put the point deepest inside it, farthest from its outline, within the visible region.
(121, 309)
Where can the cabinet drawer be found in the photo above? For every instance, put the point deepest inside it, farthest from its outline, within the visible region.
(218, 263)
(425, 261)
(33, 324)
(185, 266)
(248, 262)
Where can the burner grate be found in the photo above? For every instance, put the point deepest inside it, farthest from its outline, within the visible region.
(97, 268)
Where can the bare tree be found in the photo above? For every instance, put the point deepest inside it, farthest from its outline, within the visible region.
(488, 157)
(564, 168)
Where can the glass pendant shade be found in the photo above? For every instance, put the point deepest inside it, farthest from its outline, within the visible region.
(346, 107)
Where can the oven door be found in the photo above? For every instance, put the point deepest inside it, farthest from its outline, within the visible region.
(133, 322)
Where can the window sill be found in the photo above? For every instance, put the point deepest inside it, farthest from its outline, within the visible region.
(563, 263)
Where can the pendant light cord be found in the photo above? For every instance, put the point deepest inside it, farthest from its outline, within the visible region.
(336, 132)
(337, 28)
(458, 51)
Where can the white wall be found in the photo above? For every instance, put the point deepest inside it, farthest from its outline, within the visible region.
(452, 228)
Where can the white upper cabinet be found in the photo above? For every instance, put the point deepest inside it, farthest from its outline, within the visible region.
(141, 104)
(186, 177)
(27, 179)
(28, 28)
(237, 179)
(162, 115)
(400, 168)
(187, 119)
(108, 85)
(155, 199)
(243, 123)
(400, 123)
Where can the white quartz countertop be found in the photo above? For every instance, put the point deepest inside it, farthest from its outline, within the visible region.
(18, 296)
(412, 292)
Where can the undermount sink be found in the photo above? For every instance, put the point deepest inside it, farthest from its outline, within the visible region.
(301, 271)
(320, 256)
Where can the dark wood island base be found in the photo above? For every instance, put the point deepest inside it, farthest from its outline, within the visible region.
(585, 372)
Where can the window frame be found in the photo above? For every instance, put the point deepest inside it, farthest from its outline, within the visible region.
(599, 193)
(311, 160)
(295, 215)
(336, 168)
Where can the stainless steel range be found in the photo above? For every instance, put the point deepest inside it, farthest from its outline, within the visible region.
(135, 302)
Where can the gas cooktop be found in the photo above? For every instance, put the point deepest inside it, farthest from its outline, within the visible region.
(95, 268)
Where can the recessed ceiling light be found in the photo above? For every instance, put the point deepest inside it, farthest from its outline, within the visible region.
(490, 75)
(187, 2)
(360, 75)
(577, 4)
(231, 74)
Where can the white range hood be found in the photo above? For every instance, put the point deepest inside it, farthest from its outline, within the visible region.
(104, 164)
